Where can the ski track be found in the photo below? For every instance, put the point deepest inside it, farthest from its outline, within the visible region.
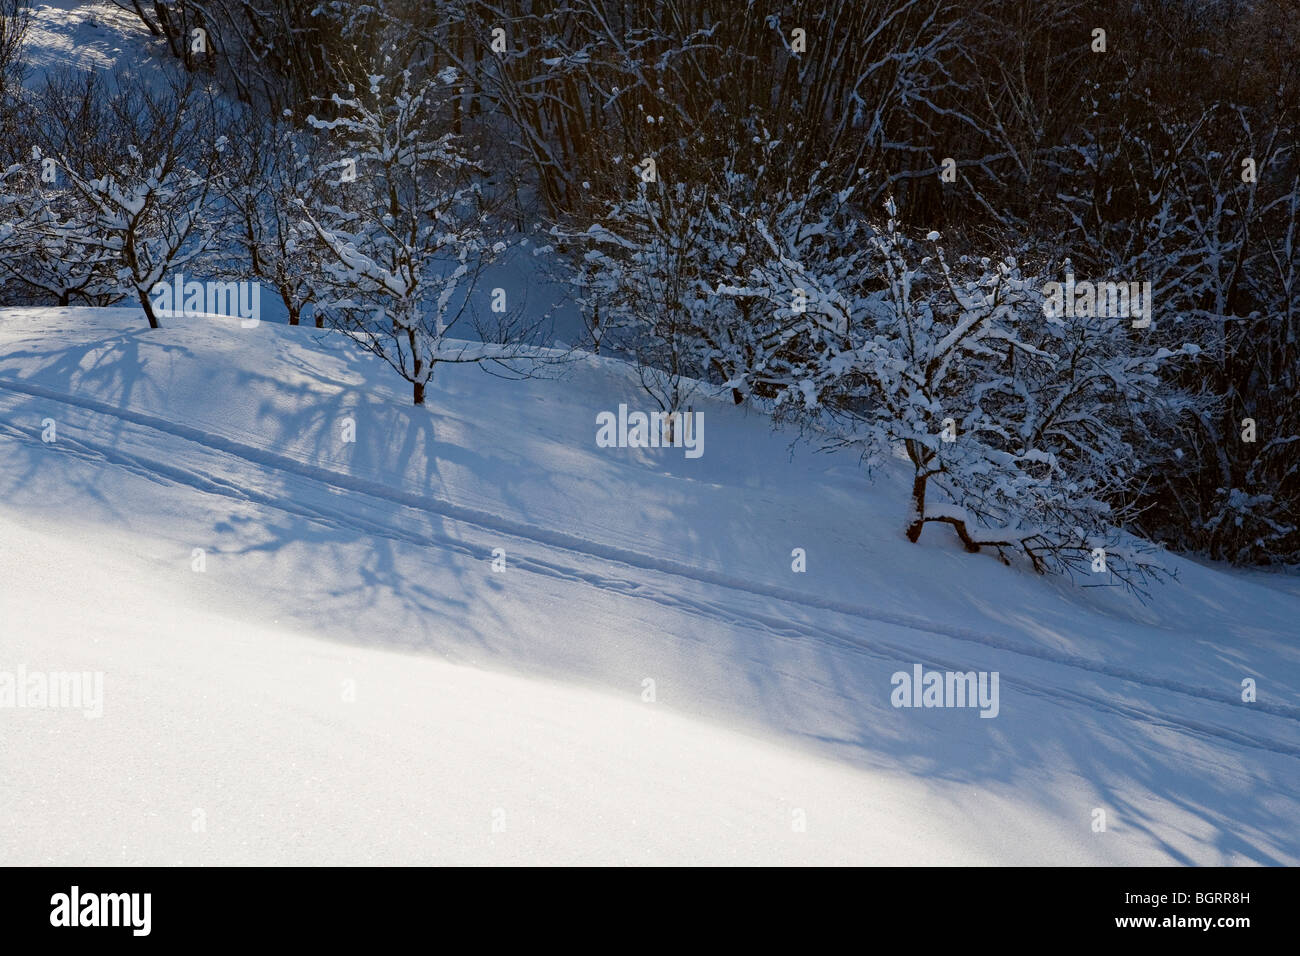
(786, 629)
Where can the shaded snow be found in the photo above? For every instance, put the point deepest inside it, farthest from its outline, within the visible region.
(81, 36)
(523, 691)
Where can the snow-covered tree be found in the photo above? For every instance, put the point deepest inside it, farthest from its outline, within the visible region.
(649, 268)
(757, 210)
(271, 172)
(406, 234)
(43, 254)
(1022, 428)
(643, 294)
(143, 201)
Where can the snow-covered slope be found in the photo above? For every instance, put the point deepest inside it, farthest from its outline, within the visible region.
(78, 35)
(349, 680)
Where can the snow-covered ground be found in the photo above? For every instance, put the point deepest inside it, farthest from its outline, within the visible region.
(75, 35)
(348, 679)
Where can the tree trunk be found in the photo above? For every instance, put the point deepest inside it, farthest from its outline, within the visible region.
(918, 505)
(417, 365)
(147, 305)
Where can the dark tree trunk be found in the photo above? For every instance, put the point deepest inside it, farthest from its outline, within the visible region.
(147, 305)
(417, 367)
(918, 504)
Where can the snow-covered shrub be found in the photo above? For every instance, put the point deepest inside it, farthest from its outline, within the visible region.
(649, 268)
(1022, 429)
(1219, 237)
(642, 288)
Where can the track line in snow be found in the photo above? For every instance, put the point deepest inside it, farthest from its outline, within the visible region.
(499, 525)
